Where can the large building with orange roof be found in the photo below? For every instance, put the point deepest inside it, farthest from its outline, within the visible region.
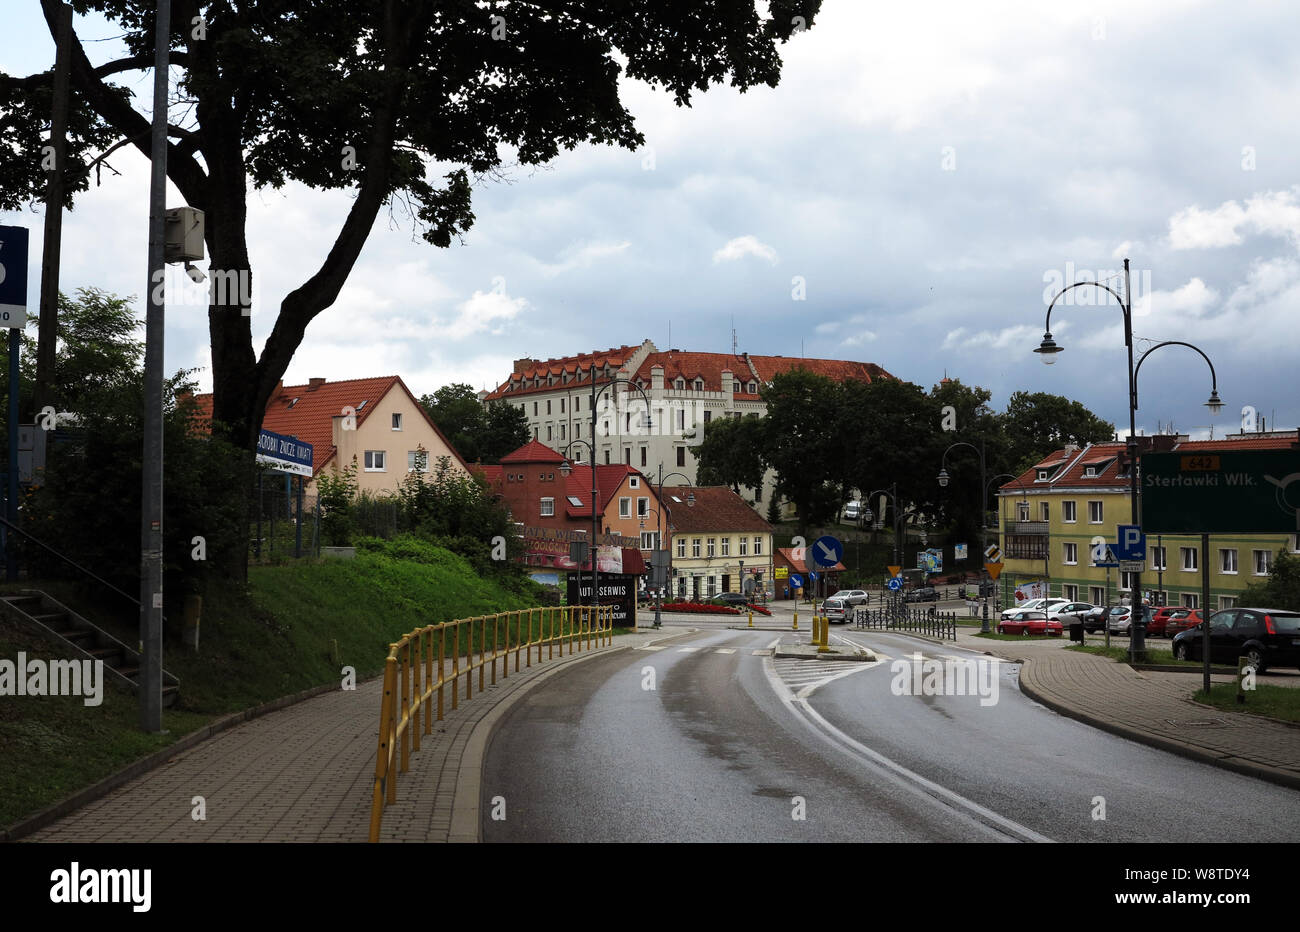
(376, 421)
(686, 392)
(1049, 515)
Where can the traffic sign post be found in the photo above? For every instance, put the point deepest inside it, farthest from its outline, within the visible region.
(1132, 542)
(13, 314)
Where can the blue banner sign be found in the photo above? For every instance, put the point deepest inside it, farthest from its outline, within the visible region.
(284, 454)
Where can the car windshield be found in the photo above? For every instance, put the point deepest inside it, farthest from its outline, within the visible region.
(1119, 610)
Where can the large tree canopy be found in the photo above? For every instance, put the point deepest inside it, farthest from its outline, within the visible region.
(399, 101)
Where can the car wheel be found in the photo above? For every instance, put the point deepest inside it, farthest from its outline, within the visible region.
(1255, 657)
(1024, 632)
(1180, 651)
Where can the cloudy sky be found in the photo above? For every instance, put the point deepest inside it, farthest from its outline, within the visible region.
(925, 174)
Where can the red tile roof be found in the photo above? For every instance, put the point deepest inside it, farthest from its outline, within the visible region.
(841, 370)
(307, 411)
(717, 508)
(801, 566)
(1278, 441)
(609, 478)
(533, 452)
(578, 368)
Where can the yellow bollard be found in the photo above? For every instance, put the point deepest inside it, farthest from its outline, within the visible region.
(796, 619)
(751, 618)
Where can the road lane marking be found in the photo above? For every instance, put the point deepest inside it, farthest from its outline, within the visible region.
(652, 647)
(725, 650)
(767, 652)
(908, 779)
(687, 650)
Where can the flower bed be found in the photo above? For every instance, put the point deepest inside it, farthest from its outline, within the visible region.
(701, 608)
(760, 609)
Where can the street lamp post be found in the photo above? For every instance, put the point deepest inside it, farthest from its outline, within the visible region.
(867, 515)
(1048, 350)
(659, 496)
(943, 483)
(565, 469)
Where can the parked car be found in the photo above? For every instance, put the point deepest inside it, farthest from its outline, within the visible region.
(1266, 637)
(852, 596)
(921, 594)
(1160, 619)
(836, 611)
(1028, 622)
(1035, 605)
(731, 598)
(1120, 620)
(1095, 620)
(1069, 612)
(1182, 619)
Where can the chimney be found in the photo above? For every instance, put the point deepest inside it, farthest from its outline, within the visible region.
(523, 365)
(313, 384)
(1071, 449)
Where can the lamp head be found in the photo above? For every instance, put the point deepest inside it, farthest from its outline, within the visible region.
(565, 469)
(943, 478)
(1214, 404)
(690, 499)
(1048, 349)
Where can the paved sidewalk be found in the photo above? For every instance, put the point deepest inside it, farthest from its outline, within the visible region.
(306, 773)
(1152, 707)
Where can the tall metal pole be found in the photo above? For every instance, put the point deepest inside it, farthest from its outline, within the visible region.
(11, 492)
(151, 530)
(1137, 617)
(1205, 611)
(47, 334)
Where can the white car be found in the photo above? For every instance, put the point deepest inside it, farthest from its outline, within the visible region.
(1069, 612)
(852, 596)
(1035, 605)
(852, 511)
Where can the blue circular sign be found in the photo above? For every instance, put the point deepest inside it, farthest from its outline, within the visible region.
(827, 551)
(895, 584)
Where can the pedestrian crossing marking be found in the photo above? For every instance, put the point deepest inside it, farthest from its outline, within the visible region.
(725, 650)
(687, 650)
(761, 653)
(652, 647)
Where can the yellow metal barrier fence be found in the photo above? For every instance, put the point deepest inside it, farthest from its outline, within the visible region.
(410, 684)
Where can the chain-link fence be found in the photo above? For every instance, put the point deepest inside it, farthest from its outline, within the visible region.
(275, 530)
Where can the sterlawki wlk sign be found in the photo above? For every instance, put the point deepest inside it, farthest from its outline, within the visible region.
(1214, 493)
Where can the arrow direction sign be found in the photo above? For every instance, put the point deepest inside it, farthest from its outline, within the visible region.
(827, 551)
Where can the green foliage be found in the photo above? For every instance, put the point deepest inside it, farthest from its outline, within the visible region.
(477, 433)
(1281, 589)
(1036, 423)
(335, 496)
(774, 510)
(731, 453)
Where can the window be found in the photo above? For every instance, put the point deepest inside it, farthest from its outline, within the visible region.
(1042, 475)
(679, 383)
(561, 405)
(417, 461)
(548, 507)
(606, 427)
(744, 546)
(627, 456)
(1094, 512)
(607, 456)
(758, 546)
(1158, 558)
(1228, 561)
(375, 461)
(562, 430)
(681, 456)
(708, 417)
(574, 501)
(681, 588)
(726, 546)
(577, 404)
(642, 507)
(710, 548)
(1043, 511)
(1189, 558)
(534, 409)
(681, 547)
(634, 482)
(1097, 595)
(713, 586)
(643, 454)
(1227, 601)
(548, 406)
(1191, 600)
(1022, 511)
(1071, 558)
(397, 421)
(577, 455)
(1025, 547)
(1126, 581)
(1070, 592)
(1263, 562)
(752, 388)
(699, 384)
(548, 431)
(1089, 472)
(1069, 514)
(695, 546)
(649, 540)
(625, 507)
(681, 419)
(1293, 543)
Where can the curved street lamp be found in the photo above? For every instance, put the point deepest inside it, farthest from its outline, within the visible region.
(565, 469)
(1049, 349)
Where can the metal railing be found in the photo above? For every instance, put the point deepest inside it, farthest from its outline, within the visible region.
(410, 685)
(927, 621)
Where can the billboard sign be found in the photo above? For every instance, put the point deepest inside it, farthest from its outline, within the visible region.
(284, 454)
(1233, 492)
(618, 591)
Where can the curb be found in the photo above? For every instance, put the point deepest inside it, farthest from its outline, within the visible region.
(465, 824)
(58, 810)
(1194, 752)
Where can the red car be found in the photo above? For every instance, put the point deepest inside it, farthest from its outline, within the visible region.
(1030, 623)
(1160, 618)
(1181, 619)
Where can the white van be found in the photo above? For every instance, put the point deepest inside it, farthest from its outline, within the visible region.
(852, 511)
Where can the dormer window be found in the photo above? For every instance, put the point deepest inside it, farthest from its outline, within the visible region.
(752, 388)
(1089, 472)
(1042, 475)
(634, 482)
(699, 384)
(294, 402)
(679, 383)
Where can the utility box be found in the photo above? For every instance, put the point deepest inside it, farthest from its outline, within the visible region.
(184, 235)
(31, 452)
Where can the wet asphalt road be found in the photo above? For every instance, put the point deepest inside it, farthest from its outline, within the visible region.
(734, 746)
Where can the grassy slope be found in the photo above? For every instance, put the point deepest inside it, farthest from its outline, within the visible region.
(254, 647)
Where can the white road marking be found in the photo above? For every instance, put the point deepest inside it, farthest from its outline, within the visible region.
(725, 650)
(687, 650)
(908, 779)
(761, 653)
(652, 647)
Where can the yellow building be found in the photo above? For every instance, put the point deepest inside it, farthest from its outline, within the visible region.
(719, 543)
(1050, 516)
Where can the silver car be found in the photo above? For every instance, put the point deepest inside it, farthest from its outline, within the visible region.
(836, 611)
(852, 596)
